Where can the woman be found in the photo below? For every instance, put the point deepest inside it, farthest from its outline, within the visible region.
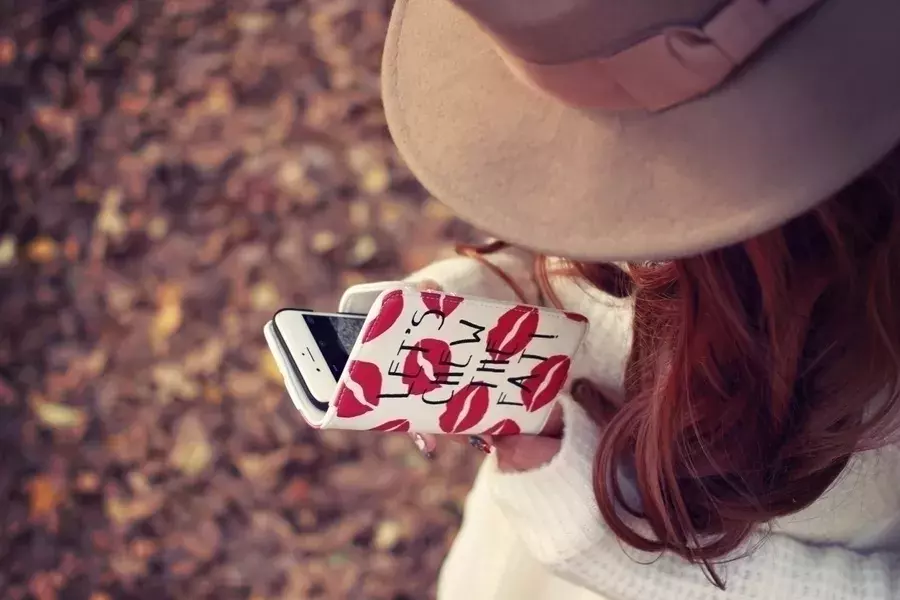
(735, 406)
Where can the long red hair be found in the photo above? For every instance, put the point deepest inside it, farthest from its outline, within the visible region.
(754, 373)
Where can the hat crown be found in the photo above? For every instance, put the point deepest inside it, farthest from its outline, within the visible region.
(566, 30)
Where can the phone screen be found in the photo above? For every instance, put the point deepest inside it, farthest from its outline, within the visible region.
(335, 337)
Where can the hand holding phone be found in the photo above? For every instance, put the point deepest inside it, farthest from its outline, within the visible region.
(428, 362)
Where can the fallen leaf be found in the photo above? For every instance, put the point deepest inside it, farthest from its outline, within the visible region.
(7, 250)
(110, 220)
(173, 382)
(192, 452)
(44, 496)
(360, 214)
(87, 482)
(157, 228)
(253, 23)
(363, 251)
(323, 242)
(219, 99)
(263, 469)
(264, 296)
(59, 416)
(387, 535)
(168, 316)
(269, 367)
(207, 358)
(125, 511)
(376, 180)
(42, 249)
(244, 384)
(7, 50)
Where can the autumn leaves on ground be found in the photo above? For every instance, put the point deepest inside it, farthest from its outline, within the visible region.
(171, 172)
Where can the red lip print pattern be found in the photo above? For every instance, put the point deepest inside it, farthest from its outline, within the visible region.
(547, 379)
(396, 425)
(505, 427)
(512, 332)
(360, 391)
(443, 303)
(391, 308)
(465, 410)
(425, 364)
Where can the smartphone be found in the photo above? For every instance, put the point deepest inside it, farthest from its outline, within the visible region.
(315, 347)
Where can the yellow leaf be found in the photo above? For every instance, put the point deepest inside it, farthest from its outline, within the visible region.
(264, 296)
(110, 220)
(59, 416)
(157, 228)
(168, 315)
(124, 511)
(7, 250)
(269, 367)
(376, 180)
(324, 241)
(192, 451)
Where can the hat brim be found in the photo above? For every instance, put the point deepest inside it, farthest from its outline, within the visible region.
(818, 107)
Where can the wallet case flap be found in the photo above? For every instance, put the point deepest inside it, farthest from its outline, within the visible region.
(438, 363)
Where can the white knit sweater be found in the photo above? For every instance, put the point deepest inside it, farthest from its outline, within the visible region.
(539, 535)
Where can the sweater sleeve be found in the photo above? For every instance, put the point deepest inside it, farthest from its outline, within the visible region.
(554, 511)
(468, 276)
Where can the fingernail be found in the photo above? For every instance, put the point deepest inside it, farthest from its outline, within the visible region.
(422, 445)
(479, 444)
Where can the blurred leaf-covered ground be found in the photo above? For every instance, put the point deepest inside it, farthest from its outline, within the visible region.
(171, 172)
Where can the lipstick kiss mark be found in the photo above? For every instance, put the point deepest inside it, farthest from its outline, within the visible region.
(505, 427)
(391, 307)
(424, 368)
(360, 390)
(513, 332)
(576, 317)
(442, 303)
(547, 379)
(395, 425)
(465, 410)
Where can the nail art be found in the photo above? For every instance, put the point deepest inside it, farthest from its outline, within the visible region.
(422, 445)
(479, 444)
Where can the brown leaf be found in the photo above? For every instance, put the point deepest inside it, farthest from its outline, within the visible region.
(245, 384)
(206, 359)
(173, 382)
(42, 249)
(263, 469)
(7, 50)
(44, 496)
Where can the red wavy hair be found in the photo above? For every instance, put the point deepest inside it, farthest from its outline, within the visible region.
(753, 373)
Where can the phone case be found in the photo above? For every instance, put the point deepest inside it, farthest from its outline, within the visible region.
(433, 362)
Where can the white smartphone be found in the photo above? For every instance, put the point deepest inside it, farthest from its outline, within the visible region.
(314, 348)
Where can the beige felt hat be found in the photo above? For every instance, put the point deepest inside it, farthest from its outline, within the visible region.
(640, 129)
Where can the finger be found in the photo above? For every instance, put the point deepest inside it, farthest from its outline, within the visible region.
(524, 453)
(554, 426)
(425, 442)
(429, 285)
